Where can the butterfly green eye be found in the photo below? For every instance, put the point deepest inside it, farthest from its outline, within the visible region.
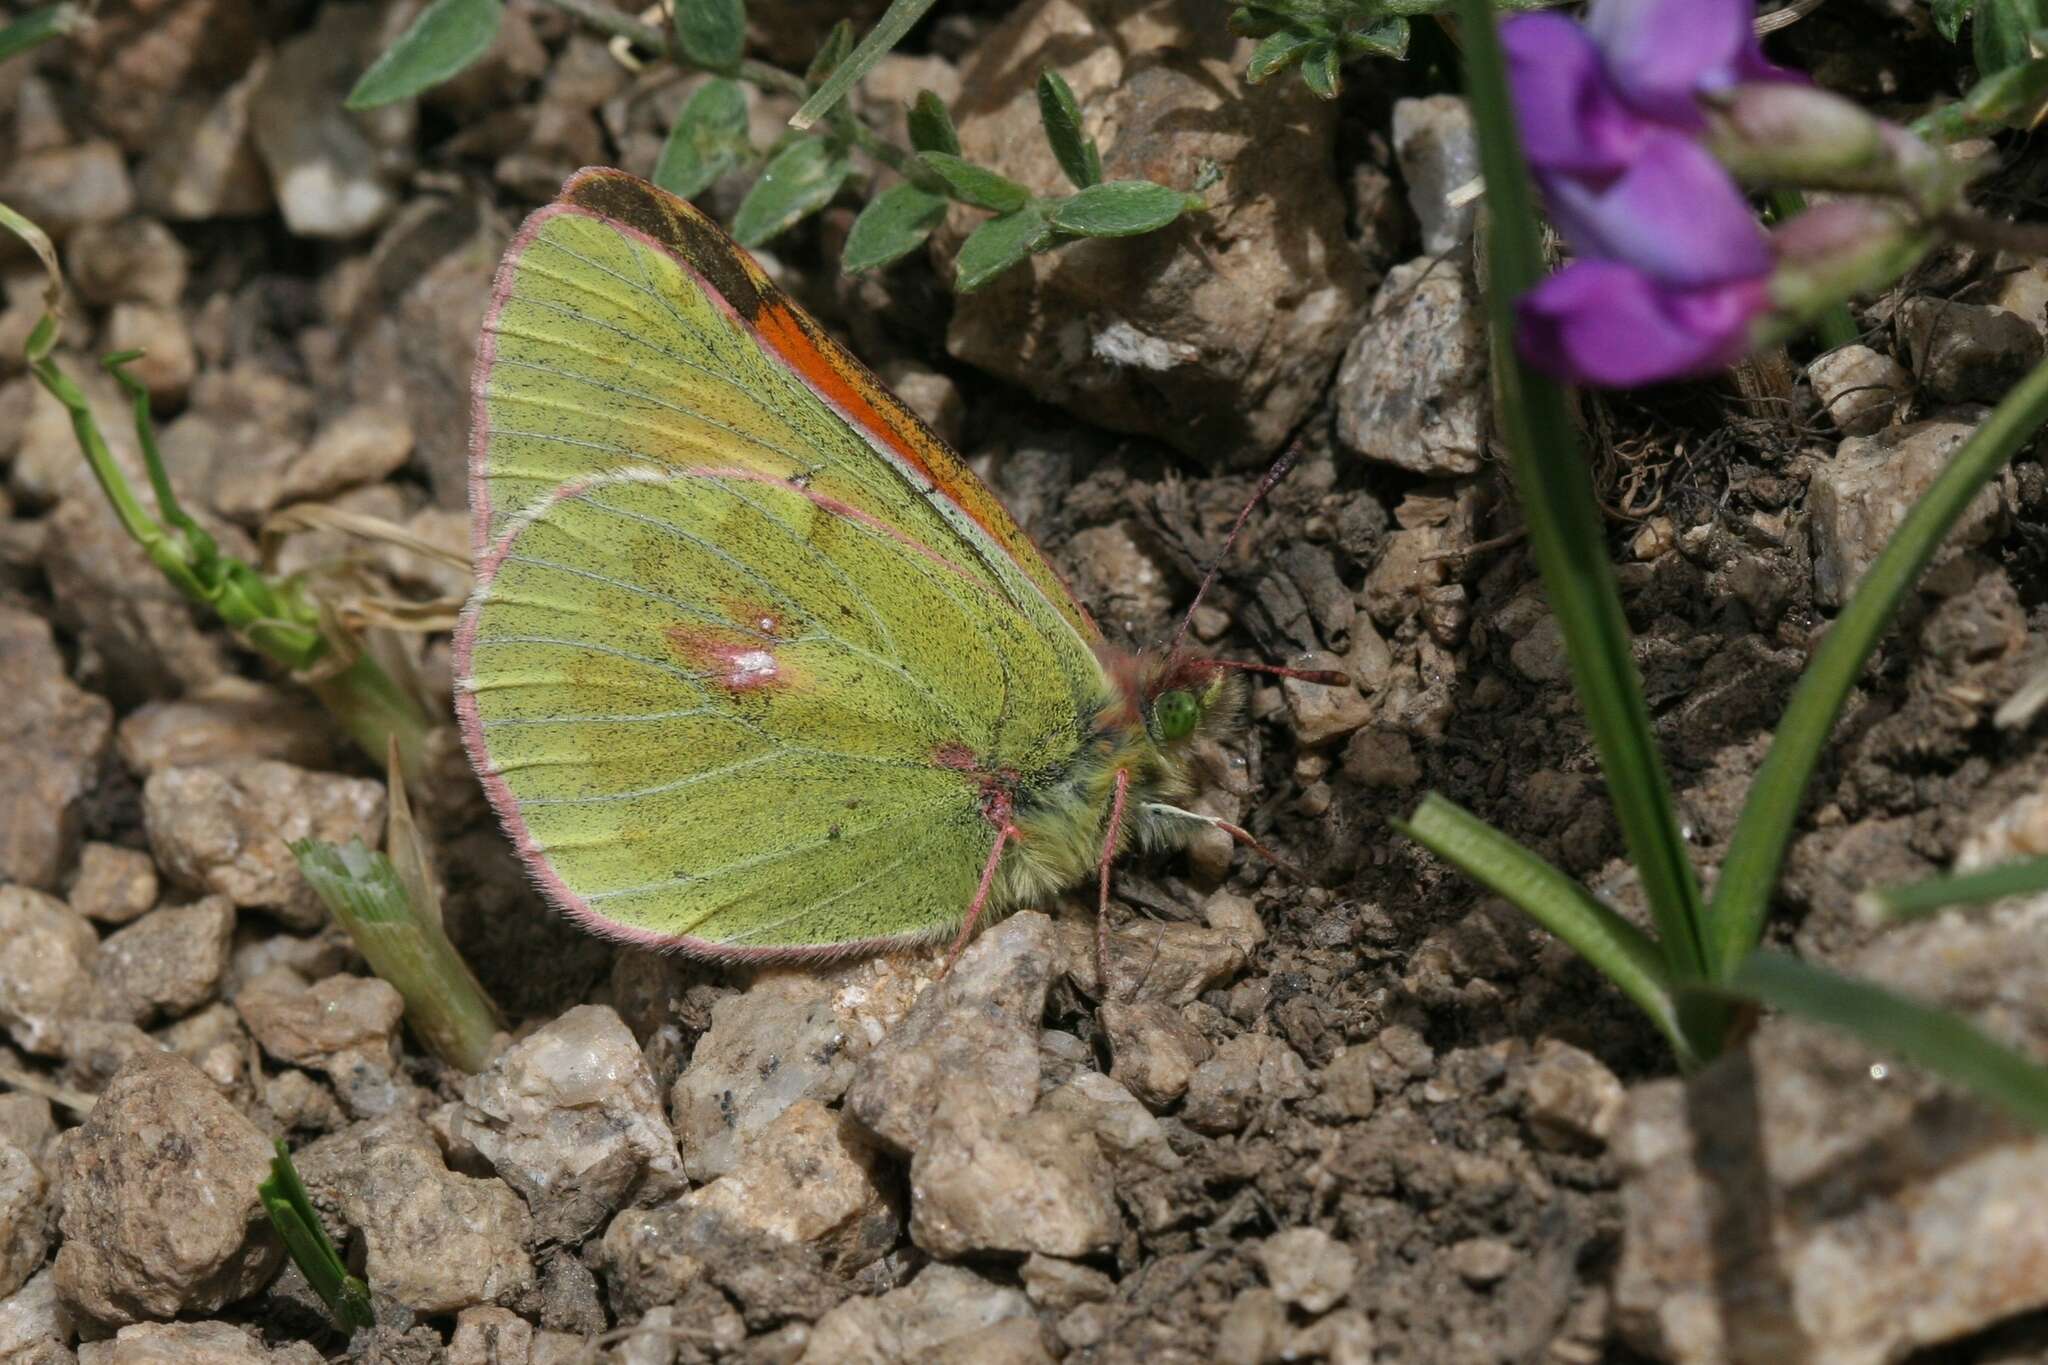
(1176, 714)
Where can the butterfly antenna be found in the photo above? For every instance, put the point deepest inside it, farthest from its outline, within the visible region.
(1328, 677)
(1273, 476)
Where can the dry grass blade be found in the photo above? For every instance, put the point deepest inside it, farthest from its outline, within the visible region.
(1786, 17)
(313, 516)
(353, 602)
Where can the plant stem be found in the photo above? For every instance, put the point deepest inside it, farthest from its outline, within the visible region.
(1565, 529)
(376, 711)
(404, 944)
(602, 17)
(768, 76)
(1756, 851)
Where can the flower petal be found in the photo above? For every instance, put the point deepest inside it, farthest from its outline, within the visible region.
(1663, 54)
(1609, 325)
(1572, 119)
(1674, 213)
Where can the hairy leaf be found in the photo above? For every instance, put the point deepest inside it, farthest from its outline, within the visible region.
(799, 180)
(999, 244)
(709, 138)
(1121, 208)
(448, 36)
(894, 224)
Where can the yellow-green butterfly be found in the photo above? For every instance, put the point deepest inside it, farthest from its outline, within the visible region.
(755, 666)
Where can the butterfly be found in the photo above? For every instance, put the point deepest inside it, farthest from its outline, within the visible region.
(755, 667)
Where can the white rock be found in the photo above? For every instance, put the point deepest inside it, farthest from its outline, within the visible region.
(569, 1116)
(1308, 1268)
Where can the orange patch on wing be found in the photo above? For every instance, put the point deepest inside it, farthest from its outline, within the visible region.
(845, 383)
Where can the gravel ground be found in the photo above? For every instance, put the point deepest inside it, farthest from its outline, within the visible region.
(1369, 1116)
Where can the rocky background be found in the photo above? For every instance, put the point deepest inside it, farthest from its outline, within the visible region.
(1377, 1117)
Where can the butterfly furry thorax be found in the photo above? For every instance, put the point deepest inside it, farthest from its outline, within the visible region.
(755, 667)
(1060, 819)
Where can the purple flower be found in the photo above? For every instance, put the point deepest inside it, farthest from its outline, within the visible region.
(1672, 265)
(1571, 114)
(1674, 213)
(1664, 54)
(1588, 98)
(1614, 326)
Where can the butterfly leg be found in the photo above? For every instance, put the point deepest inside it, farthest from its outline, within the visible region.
(1116, 827)
(1004, 834)
(1237, 832)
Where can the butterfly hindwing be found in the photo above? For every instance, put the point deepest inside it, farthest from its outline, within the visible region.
(729, 644)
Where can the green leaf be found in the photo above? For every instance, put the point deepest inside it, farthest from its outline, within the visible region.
(1621, 952)
(448, 36)
(1946, 1044)
(894, 224)
(712, 33)
(1277, 51)
(1121, 208)
(977, 185)
(1566, 529)
(709, 138)
(1319, 69)
(1061, 113)
(2013, 98)
(1388, 38)
(1259, 21)
(298, 1226)
(999, 244)
(799, 180)
(839, 78)
(403, 941)
(1949, 16)
(1756, 850)
(38, 26)
(931, 127)
(2002, 33)
(2027, 876)
(830, 56)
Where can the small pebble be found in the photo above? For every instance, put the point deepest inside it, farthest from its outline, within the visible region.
(114, 884)
(1482, 1261)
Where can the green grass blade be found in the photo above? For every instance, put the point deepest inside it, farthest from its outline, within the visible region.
(1756, 851)
(39, 26)
(1915, 900)
(1947, 1044)
(298, 1226)
(444, 1003)
(1565, 529)
(887, 32)
(1621, 952)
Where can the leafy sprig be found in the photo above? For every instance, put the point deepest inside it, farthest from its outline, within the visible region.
(810, 165)
(1022, 223)
(1320, 36)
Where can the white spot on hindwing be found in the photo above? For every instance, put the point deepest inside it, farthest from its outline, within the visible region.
(751, 668)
